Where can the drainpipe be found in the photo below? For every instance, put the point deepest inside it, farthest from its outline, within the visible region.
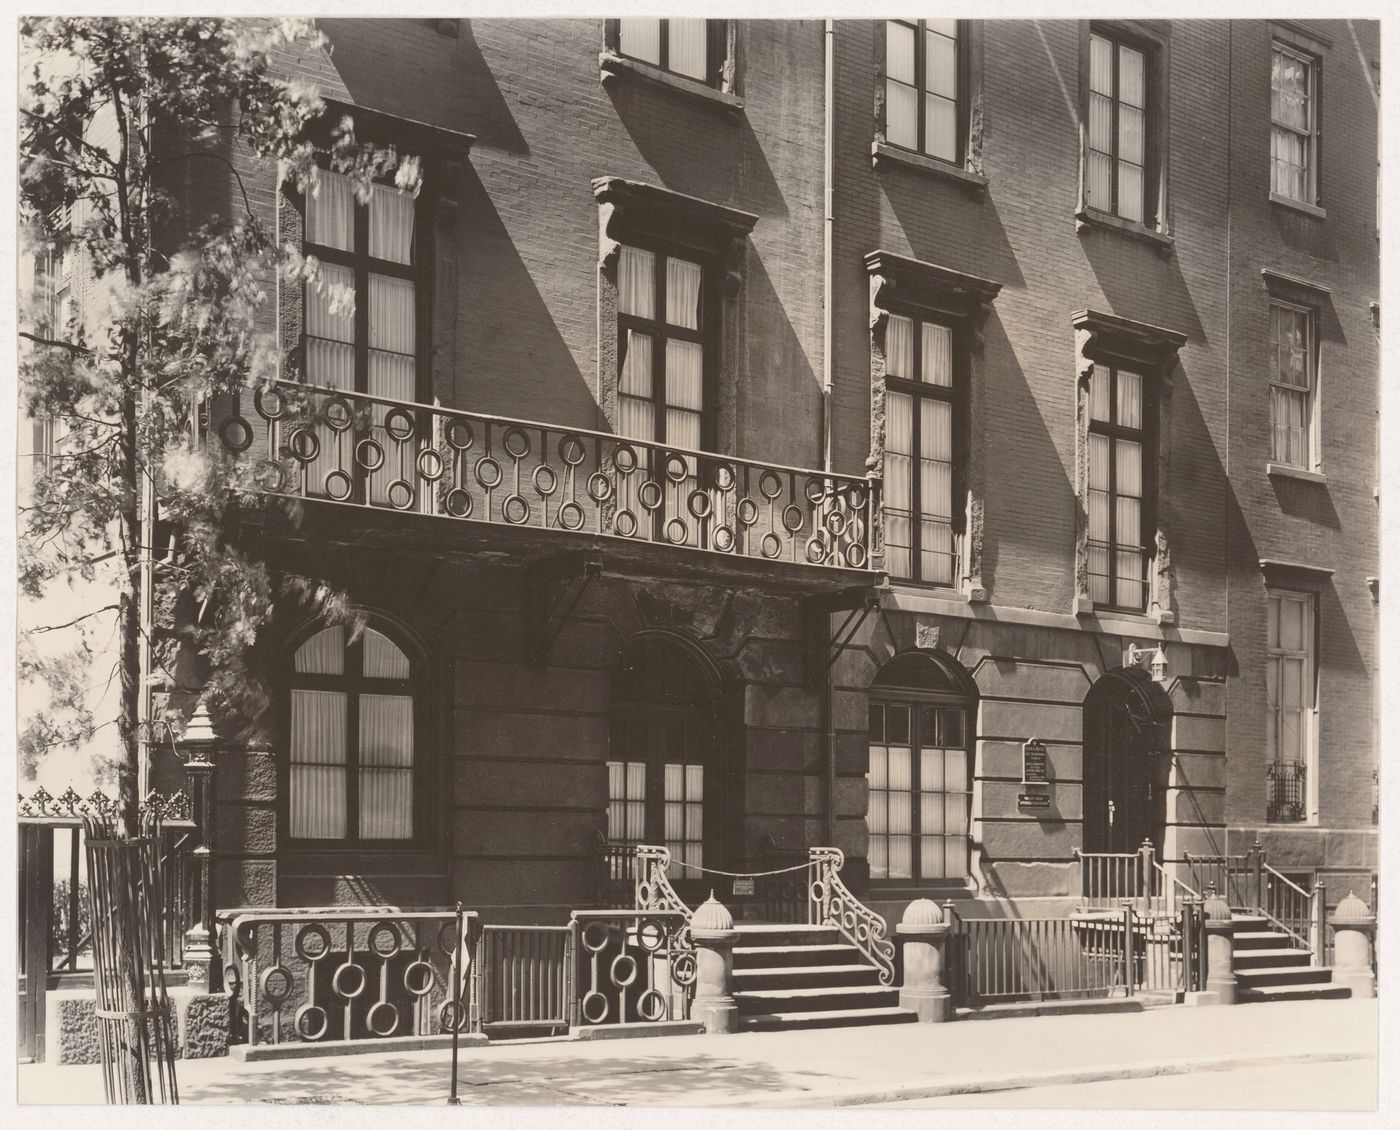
(828, 231)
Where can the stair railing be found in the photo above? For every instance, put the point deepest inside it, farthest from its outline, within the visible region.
(1288, 906)
(654, 890)
(1174, 893)
(831, 903)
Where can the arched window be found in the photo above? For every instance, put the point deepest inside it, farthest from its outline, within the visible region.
(352, 739)
(919, 777)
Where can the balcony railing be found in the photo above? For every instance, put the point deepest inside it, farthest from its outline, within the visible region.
(367, 451)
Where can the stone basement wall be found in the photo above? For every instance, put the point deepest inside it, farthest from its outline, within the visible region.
(201, 1025)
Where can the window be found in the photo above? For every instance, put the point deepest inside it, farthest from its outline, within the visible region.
(920, 362)
(691, 48)
(924, 81)
(1117, 531)
(351, 740)
(1293, 111)
(1292, 380)
(1119, 149)
(1291, 679)
(361, 331)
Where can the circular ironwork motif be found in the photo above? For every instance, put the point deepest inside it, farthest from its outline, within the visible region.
(339, 485)
(447, 940)
(232, 980)
(792, 518)
(308, 950)
(276, 984)
(516, 442)
(651, 1006)
(771, 546)
(399, 424)
(595, 936)
(236, 434)
(722, 476)
(384, 939)
(375, 1018)
(369, 454)
(855, 496)
(625, 523)
(623, 970)
(571, 516)
(357, 976)
(748, 511)
(430, 464)
(818, 892)
(724, 539)
(699, 503)
(270, 403)
(488, 472)
(676, 531)
(460, 436)
(836, 522)
(270, 475)
(624, 458)
(399, 494)
(419, 978)
(677, 469)
(816, 550)
(651, 935)
(304, 445)
(458, 503)
(683, 968)
(337, 413)
(650, 495)
(770, 485)
(452, 1015)
(572, 449)
(311, 1022)
(599, 487)
(515, 509)
(594, 1007)
(855, 555)
(545, 480)
(815, 490)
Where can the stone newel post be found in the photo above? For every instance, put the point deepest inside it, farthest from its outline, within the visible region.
(1354, 927)
(712, 929)
(923, 933)
(1220, 949)
(200, 956)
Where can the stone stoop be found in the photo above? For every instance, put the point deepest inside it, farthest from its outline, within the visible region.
(1271, 966)
(806, 977)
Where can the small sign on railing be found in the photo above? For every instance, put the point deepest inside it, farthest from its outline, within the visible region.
(743, 887)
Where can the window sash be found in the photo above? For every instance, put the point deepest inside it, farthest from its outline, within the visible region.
(1117, 489)
(1292, 378)
(685, 47)
(1293, 119)
(924, 81)
(1120, 126)
(1291, 687)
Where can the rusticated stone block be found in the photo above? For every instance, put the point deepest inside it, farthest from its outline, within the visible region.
(246, 776)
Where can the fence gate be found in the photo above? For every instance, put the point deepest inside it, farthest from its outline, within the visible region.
(525, 977)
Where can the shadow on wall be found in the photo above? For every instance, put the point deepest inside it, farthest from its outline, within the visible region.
(1141, 284)
(951, 227)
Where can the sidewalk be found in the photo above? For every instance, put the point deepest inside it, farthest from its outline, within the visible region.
(829, 1067)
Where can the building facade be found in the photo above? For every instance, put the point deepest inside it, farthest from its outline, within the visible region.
(949, 441)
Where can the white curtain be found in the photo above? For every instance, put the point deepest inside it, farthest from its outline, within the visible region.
(316, 805)
(386, 767)
(627, 801)
(901, 99)
(901, 813)
(636, 282)
(683, 293)
(899, 440)
(382, 657)
(330, 363)
(938, 355)
(391, 224)
(323, 653)
(688, 53)
(877, 815)
(640, 38)
(683, 812)
(941, 99)
(1132, 128)
(330, 212)
(392, 328)
(1129, 399)
(899, 348)
(637, 411)
(936, 491)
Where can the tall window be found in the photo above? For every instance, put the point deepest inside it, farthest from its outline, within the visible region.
(919, 785)
(1293, 383)
(923, 82)
(1293, 111)
(1291, 690)
(361, 330)
(1118, 125)
(693, 48)
(1117, 560)
(920, 362)
(351, 742)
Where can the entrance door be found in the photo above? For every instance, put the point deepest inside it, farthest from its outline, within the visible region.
(1124, 772)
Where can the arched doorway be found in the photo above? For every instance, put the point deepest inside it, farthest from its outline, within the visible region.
(920, 771)
(1126, 762)
(664, 770)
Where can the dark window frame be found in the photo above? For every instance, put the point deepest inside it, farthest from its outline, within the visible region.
(962, 92)
(716, 50)
(1151, 124)
(1313, 57)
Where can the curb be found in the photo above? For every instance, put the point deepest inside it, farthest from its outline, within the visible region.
(977, 1084)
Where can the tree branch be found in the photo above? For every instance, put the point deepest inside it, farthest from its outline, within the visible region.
(39, 631)
(68, 345)
(237, 176)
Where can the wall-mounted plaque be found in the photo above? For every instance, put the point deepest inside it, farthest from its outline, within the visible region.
(1035, 766)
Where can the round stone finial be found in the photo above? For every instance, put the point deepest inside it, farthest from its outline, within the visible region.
(1351, 908)
(922, 912)
(711, 915)
(1217, 909)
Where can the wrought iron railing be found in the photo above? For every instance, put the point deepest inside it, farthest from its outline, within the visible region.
(524, 977)
(354, 449)
(632, 966)
(833, 904)
(1288, 793)
(653, 889)
(1288, 905)
(1107, 878)
(1232, 877)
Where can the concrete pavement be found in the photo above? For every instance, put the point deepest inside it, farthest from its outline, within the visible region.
(815, 1068)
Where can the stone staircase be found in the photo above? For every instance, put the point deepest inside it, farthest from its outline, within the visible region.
(1271, 966)
(807, 977)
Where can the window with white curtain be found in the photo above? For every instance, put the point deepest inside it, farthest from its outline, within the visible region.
(1118, 176)
(1292, 384)
(351, 749)
(921, 362)
(1292, 704)
(1117, 445)
(1293, 115)
(923, 84)
(688, 47)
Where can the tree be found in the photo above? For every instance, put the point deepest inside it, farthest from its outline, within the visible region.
(116, 115)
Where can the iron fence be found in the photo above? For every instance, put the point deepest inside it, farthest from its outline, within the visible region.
(524, 977)
(632, 967)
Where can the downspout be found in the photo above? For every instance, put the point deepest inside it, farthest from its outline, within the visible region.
(828, 232)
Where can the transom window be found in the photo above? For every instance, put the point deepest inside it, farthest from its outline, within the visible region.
(693, 48)
(1292, 381)
(1118, 125)
(1291, 700)
(1293, 113)
(351, 742)
(1117, 559)
(920, 363)
(923, 83)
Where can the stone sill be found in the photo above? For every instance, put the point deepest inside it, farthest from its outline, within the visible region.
(614, 66)
(1283, 470)
(882, 153)
(1092, 218)
(1298, 206)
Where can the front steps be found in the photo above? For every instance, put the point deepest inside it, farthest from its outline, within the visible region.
(1271, 966)
(789, 977)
